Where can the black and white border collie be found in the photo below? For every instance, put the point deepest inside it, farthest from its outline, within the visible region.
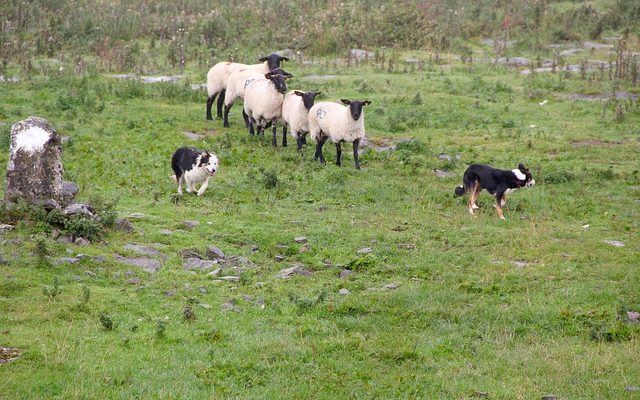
(193, 167)
(498, 182)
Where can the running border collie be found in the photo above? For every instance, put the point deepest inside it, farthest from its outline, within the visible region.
(193, 167)
(498, 182)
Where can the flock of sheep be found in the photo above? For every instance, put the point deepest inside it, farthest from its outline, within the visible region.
(263, 89)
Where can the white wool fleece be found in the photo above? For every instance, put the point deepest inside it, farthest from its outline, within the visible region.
(294, 114)
(219, 74)
(262, 101)
(335, 121)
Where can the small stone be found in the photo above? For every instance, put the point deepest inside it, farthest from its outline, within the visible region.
(215, 272)
(246, 297)
(304, 248)
(345, 273)
(123, 225)
(190, 253)
(193, 136)
(99, 259)
(205, 306)
(229, 307)
(391, 286)
(81, 242)
(295, 270)
(365, 250)
(239, 262)
(169, 293)
(134, 281)
(254, 248)
(282, 246)
(214, 253)
(407, 246)
(91, 273)
(137, 215)
(300, 239)
(165, 232)
(549, 397)
(129, 273)
(9, 354)
(443, 174)
(521, 263)
(202, 289)
(144, 250)
(344, 291)
(189, 224)
(444, 156)
(63, 239)
(615, 243)
(6, 227)
(480, 394)
(633, 316)
(279, 258)
(67, 260)
(632, 388)
(230, 278)
(145, 263)
(198, 264)
(78, 209)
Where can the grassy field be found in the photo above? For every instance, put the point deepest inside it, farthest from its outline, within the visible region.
(445, 305)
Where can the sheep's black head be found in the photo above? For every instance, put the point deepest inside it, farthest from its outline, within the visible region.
(307, 98)
(355, 107)
(278, 77)
(273, 60)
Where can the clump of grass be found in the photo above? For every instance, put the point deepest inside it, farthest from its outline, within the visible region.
(161, 328)
(52, 291)
(106, 322)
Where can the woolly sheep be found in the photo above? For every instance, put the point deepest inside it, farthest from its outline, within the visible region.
(236, 85)
(295, 114)
(263, 103)
(219, 73)
(339, 123)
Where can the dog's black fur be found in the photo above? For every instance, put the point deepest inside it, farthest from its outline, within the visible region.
(496, 181)
(185, 158)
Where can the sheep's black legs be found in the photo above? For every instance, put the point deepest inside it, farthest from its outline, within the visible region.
(251, 132)
(210, 101)
(319, 149)
(338, 153)
(284, 136)
(304, 138)
(356, 143)
(274, 133)
(299, 142)
(226, 115)
(246, 118)
(221, 103)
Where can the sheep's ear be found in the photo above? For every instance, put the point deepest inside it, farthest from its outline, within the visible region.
(366, 103)
(298, 93)
(287, 75)
(316, 94)
(263, 58)
(345, 101)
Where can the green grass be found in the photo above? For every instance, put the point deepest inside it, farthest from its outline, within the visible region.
(463, 320)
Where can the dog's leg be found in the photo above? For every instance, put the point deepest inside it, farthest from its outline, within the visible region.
(499, 203)
(179, 180)
(475, 193)
(204, 187)
(187, 183)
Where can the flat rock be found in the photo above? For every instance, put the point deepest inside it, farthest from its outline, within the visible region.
(549, 397)
(230, 278)
(68, 260)
(78, 209)
(123, 225)
(444, 174)
(522, 263)
(360, 54)
(300, 239)
(81, 242)
(193, 136)
(205, 306)
(304, 248)
(190, 253)
(229, 307)
(6, 228)
(144, 250)
(134, 281)
(391, 286)
(365, 250)
(343, 292)
(632, 388)
(147, 264)
(615, 243)
(198, 264)
(215, 272)
(292, 271)
(214, 253)
(190, 224)
(166, 232)
(279, 258)
(345, 273)
(239, 262)
(633, 316)
(137, 215)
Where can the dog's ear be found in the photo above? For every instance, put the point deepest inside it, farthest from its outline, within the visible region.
(521, 167)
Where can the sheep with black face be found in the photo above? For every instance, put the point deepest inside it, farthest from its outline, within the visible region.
(219, 74)
(340, 123)
(295, 115)
(263, 102)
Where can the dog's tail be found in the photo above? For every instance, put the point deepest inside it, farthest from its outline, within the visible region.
(468, 181)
